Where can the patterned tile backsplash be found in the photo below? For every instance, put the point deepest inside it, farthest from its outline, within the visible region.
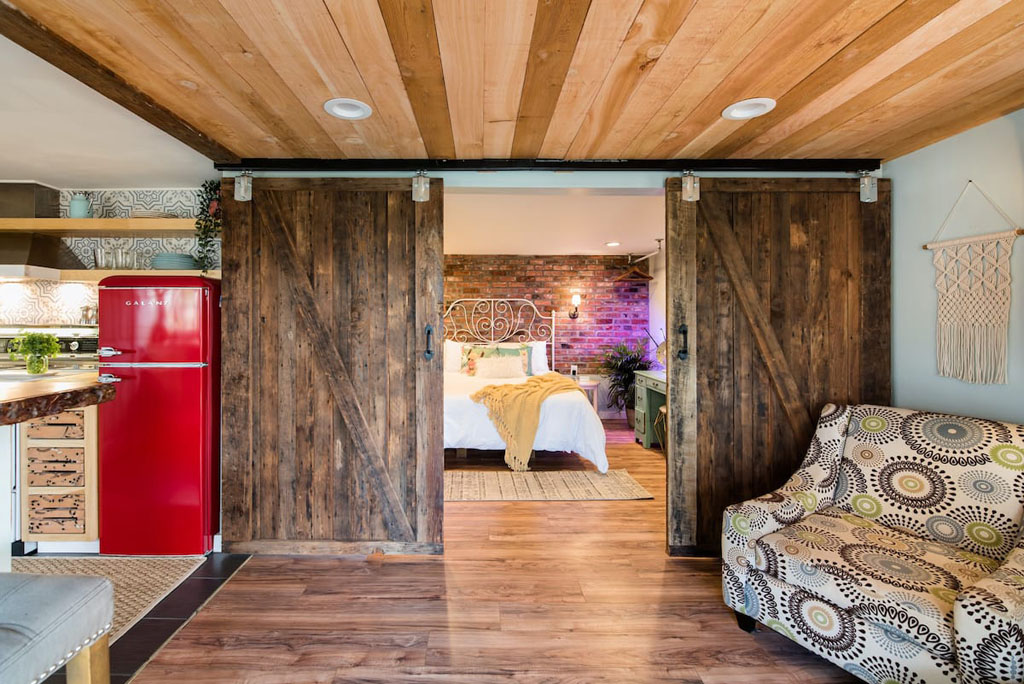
(45, 302)
(184, 202)
(120, 204)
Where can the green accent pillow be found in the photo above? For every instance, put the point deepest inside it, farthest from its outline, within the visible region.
(472, 352)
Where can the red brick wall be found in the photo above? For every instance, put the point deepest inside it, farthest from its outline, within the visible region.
(609, 313)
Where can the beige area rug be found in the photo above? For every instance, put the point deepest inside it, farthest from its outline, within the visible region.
(541, 485)
(139, 581)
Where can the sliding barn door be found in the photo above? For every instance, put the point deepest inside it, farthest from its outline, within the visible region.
(331, 398)
(783, 285)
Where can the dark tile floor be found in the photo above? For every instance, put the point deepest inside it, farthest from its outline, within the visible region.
(129, 653)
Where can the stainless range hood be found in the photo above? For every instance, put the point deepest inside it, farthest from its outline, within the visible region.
(26, 255)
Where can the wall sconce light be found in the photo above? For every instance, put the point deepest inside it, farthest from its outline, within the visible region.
(575, 313)
(420, 187)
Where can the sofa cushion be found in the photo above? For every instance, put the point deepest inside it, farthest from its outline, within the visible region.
(885, 576)
(955, 480)
(46, 619)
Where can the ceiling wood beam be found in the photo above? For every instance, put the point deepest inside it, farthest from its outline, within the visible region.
(413, 34)
(39, 40)
(556, 31)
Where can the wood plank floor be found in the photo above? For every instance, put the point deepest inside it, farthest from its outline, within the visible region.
(526, 592)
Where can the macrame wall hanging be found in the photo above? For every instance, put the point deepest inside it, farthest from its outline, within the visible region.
(972, 276)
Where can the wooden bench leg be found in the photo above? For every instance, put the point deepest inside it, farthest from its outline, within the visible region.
(92, 664)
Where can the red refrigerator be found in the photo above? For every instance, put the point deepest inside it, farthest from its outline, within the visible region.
(159, 439)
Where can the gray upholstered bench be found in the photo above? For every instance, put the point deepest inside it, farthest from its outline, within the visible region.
(49, 620)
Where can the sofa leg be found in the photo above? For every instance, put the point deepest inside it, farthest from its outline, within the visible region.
(91, 665)
(746, 623)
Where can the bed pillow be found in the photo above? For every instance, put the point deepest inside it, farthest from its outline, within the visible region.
(472, 353)
(539, 358)
(524, 349)
(499, 366)
(452, 356)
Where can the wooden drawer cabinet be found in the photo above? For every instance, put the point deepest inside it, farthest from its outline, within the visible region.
(65, 425)
(651, 394)
(55, 466)
(59, 477)
(62, 514)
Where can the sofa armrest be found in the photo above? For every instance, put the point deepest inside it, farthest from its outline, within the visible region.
(810, 489)
(988, 623)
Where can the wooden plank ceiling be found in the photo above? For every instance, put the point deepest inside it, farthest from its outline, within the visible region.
(575, 79)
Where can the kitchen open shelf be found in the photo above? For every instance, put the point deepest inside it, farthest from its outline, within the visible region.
(99, 227)
(95, 274)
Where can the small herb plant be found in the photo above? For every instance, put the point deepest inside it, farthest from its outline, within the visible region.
(36, 349)
(620, 362)
(208, 225)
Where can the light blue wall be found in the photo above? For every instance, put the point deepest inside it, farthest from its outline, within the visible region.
(924, 185)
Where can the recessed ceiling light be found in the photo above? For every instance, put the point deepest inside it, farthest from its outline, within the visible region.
(612, 244)
(748, 109)
(347, 108)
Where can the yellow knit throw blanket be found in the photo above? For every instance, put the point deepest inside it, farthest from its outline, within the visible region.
(515, 411)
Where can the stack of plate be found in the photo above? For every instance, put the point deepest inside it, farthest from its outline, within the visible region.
(171, 261)
(150, 213)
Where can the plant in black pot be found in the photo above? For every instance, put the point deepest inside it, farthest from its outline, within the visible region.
(619, 365)
(36, 349)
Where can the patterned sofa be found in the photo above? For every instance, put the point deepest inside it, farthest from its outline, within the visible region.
(895, 550)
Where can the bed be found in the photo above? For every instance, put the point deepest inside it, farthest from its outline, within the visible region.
(568, 421)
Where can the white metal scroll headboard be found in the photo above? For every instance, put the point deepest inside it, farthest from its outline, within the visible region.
(489, 321)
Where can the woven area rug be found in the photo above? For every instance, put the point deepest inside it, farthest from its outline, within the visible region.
(139, 581)
(541, 485)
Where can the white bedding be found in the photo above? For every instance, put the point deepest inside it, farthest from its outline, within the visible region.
(568, 421)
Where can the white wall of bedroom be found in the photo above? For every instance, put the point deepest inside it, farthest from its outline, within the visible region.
(925, 185)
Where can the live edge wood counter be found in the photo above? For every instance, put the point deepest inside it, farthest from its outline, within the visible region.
(21, 401)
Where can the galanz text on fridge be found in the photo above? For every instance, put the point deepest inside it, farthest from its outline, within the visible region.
(145, 302)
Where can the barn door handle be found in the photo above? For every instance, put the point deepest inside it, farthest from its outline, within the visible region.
(684, 353)
(429, 353)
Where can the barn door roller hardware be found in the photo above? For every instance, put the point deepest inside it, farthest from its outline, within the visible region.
(868, 187)
(420, 187)
(691, 187)
(243, 187)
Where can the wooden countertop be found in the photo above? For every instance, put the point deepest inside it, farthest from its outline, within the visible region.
(20, 401)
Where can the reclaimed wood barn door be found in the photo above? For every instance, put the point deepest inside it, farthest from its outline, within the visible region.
(783, 286)
(332, 386)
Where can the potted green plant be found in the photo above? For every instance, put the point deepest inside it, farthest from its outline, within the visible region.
(619, 365)
(37, 349)
(208, 225)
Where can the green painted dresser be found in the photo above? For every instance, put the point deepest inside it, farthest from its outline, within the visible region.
(651, 390)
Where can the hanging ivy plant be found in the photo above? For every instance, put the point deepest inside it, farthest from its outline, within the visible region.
(208, 225)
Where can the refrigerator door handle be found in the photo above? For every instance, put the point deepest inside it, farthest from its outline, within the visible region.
(155, 364)
(108, 351)
(107, 378)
